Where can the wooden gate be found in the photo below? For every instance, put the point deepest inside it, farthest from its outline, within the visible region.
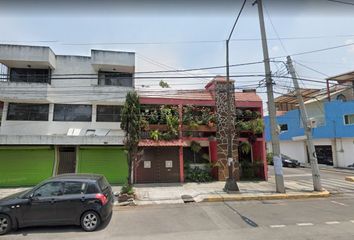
(67, 160)
(159, 165)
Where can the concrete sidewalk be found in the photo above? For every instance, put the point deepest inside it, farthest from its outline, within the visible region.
(207, 192)
(213, 191)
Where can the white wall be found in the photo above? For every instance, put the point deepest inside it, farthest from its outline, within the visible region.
(345, 151)
(75, 89)
(293, 149)
(51, 127)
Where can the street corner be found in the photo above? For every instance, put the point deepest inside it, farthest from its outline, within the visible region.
(263, 196)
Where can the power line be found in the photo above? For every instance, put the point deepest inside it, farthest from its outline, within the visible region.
(317, 50)
(342, 2)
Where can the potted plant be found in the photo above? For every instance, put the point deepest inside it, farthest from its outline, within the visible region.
(126, 193)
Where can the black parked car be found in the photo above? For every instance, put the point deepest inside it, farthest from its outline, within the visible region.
(68, 199)
(289, 162)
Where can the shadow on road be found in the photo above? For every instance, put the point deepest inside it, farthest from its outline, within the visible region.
(244, 218)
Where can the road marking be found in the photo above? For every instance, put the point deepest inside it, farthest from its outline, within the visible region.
(304, 224)
(333, 222)
(277, 226)
(339, 203)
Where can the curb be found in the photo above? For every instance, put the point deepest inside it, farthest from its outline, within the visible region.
(349, 179)
(241, 197)
(338, 170)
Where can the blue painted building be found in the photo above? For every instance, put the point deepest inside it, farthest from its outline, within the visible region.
(333, 136)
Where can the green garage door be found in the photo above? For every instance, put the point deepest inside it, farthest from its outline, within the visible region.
(108, 161)
(25, 166)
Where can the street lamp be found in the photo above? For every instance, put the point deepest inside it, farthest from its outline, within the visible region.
(231, 184)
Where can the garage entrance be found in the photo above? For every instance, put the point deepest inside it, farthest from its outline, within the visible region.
(324, 154)
(159, 165)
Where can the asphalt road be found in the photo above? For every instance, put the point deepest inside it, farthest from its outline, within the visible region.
(332, 181)
(324, 219)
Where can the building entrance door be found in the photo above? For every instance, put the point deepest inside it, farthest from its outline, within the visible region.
(67, 160)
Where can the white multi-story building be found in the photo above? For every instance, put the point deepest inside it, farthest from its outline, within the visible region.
(61, 113)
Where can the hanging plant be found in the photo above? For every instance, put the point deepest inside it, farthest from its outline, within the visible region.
(144, 124)
(195, 146)
(155, 135)
(245, 147)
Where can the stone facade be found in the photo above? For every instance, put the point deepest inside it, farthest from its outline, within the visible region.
(221, 88)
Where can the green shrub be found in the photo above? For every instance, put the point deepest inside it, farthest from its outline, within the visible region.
(198, 175)
(127, 189)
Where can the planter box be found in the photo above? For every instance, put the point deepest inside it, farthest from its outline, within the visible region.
(162, 127)
(125, 197)
(201, 128)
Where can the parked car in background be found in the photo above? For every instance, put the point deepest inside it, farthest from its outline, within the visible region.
(289, 162)
(286, 160)
(68, 199)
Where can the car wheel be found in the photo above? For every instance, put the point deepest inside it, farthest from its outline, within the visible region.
(90, 221)
(5, 224)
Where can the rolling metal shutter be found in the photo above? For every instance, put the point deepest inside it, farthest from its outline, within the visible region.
(108, 161)
(25, 166)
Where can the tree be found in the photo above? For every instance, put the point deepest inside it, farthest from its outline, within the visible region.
(164, 84)
(131, 125)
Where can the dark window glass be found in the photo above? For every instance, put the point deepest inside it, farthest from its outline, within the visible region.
(108, 113)
(28, 112)
(74, 188)
(49, 190)
(349, 119)
(283, 127)
(192, 157)
(115, 79)
(92, 188)
(102, 182)
(72, 113)
(30, 75)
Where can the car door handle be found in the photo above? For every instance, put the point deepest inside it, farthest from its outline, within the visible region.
(52, 201)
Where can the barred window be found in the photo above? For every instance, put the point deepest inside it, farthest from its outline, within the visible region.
(28, 112)
(115, 79)
(108, 113)
(72, 113)
(30, 75)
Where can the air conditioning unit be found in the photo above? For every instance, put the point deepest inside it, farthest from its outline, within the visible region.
(312, 123)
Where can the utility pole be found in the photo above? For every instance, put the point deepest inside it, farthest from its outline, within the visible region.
(308, 132)
(278, 166)
(230, 184)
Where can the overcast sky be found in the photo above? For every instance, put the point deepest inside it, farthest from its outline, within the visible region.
(190, 34)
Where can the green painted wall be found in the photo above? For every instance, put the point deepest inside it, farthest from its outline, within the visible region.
(25, 166)
(110, 162)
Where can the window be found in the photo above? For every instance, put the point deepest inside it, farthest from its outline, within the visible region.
(49, 190)
(342, 98)
(115, 79)
(283, 127)
(28, 112)
(202, 156)
(30, 75)
(72, 113)
(108, 113)
(74, 188)
(349, 119)
(92, 188)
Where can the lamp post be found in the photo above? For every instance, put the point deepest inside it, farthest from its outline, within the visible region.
(231, 184)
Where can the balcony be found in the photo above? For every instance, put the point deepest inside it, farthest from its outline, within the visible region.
(17, 56)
